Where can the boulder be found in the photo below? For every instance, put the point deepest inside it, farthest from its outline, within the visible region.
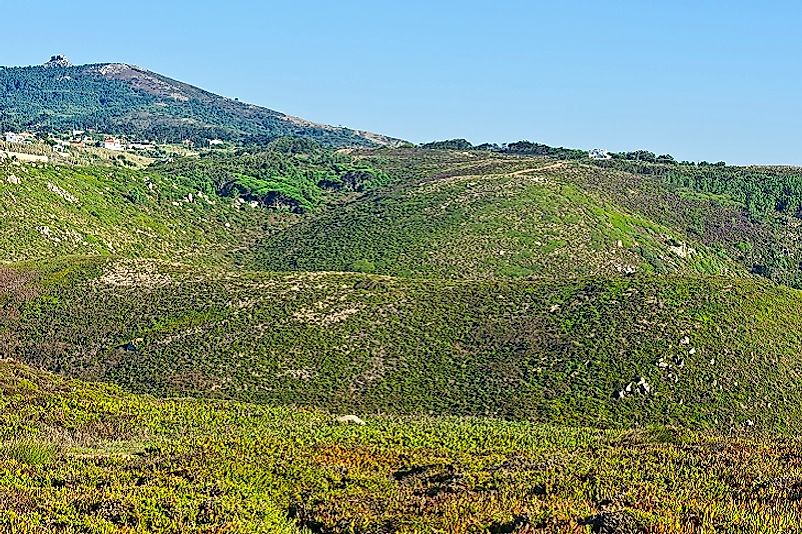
(350, 420)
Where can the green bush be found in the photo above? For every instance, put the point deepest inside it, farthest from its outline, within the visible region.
(363, 266)
(30, 450)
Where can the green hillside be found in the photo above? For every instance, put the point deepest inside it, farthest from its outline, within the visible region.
(130, 100)
(192, 209)
(52, 210)
(715, 352)
(478, 216)
(751, 213)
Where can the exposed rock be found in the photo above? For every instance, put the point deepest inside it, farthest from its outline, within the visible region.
(58, 61)
(639, 386)
(350, 420)
(682, 250)
(643, 386)
(14, 180)
(61, 192)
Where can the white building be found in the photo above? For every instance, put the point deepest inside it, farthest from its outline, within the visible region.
(112, 143)
(12, 137)
(141, 146)
(599, 153)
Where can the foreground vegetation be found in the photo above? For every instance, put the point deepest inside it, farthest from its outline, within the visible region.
(77, 457)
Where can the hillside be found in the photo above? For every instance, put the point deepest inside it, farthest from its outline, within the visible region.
(534, 343)
(192, 209)
(125, 99)
(53, 210)
(713, 352)
(480, 215)
(293, 205)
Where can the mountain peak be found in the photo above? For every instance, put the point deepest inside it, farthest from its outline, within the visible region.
(58, 60)
(147, 105)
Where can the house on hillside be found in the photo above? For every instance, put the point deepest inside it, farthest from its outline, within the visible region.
(112, 143)
(23, 137)
(215, 142)
(599, 153)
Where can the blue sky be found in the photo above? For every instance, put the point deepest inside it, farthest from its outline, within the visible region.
(697, 79)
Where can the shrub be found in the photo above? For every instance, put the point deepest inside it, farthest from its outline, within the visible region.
(29, 450)
(363, 266)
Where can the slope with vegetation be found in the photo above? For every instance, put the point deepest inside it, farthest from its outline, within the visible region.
(53, 210)
(753, 213)
(509, 301)
(130, 100)
(191, 209)
(706, 352)
(479, 216)
(296, 174)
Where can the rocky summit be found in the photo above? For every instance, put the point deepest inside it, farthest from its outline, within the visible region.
(58, 61)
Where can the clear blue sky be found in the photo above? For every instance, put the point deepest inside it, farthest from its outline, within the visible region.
(697, 79)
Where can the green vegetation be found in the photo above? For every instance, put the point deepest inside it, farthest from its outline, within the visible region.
(762, 191)
(451, 144)
(192, 209)
(131, 101)
(716, 352)
(719, 206)
(487, 216)
(293, 174)
(535, 343)
(121, 463)
(53, 210)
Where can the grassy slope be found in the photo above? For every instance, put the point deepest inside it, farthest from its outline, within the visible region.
(77, 457)
(770, 244)
(456, 215)
(48, 211)
(547, 351)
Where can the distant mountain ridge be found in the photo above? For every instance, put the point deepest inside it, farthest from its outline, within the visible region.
(130, 100)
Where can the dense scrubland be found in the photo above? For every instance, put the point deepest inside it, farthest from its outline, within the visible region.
(713, 352)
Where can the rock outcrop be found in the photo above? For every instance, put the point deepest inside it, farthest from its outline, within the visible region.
(58, 61)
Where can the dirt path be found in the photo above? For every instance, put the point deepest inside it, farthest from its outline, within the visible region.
(536, 169)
